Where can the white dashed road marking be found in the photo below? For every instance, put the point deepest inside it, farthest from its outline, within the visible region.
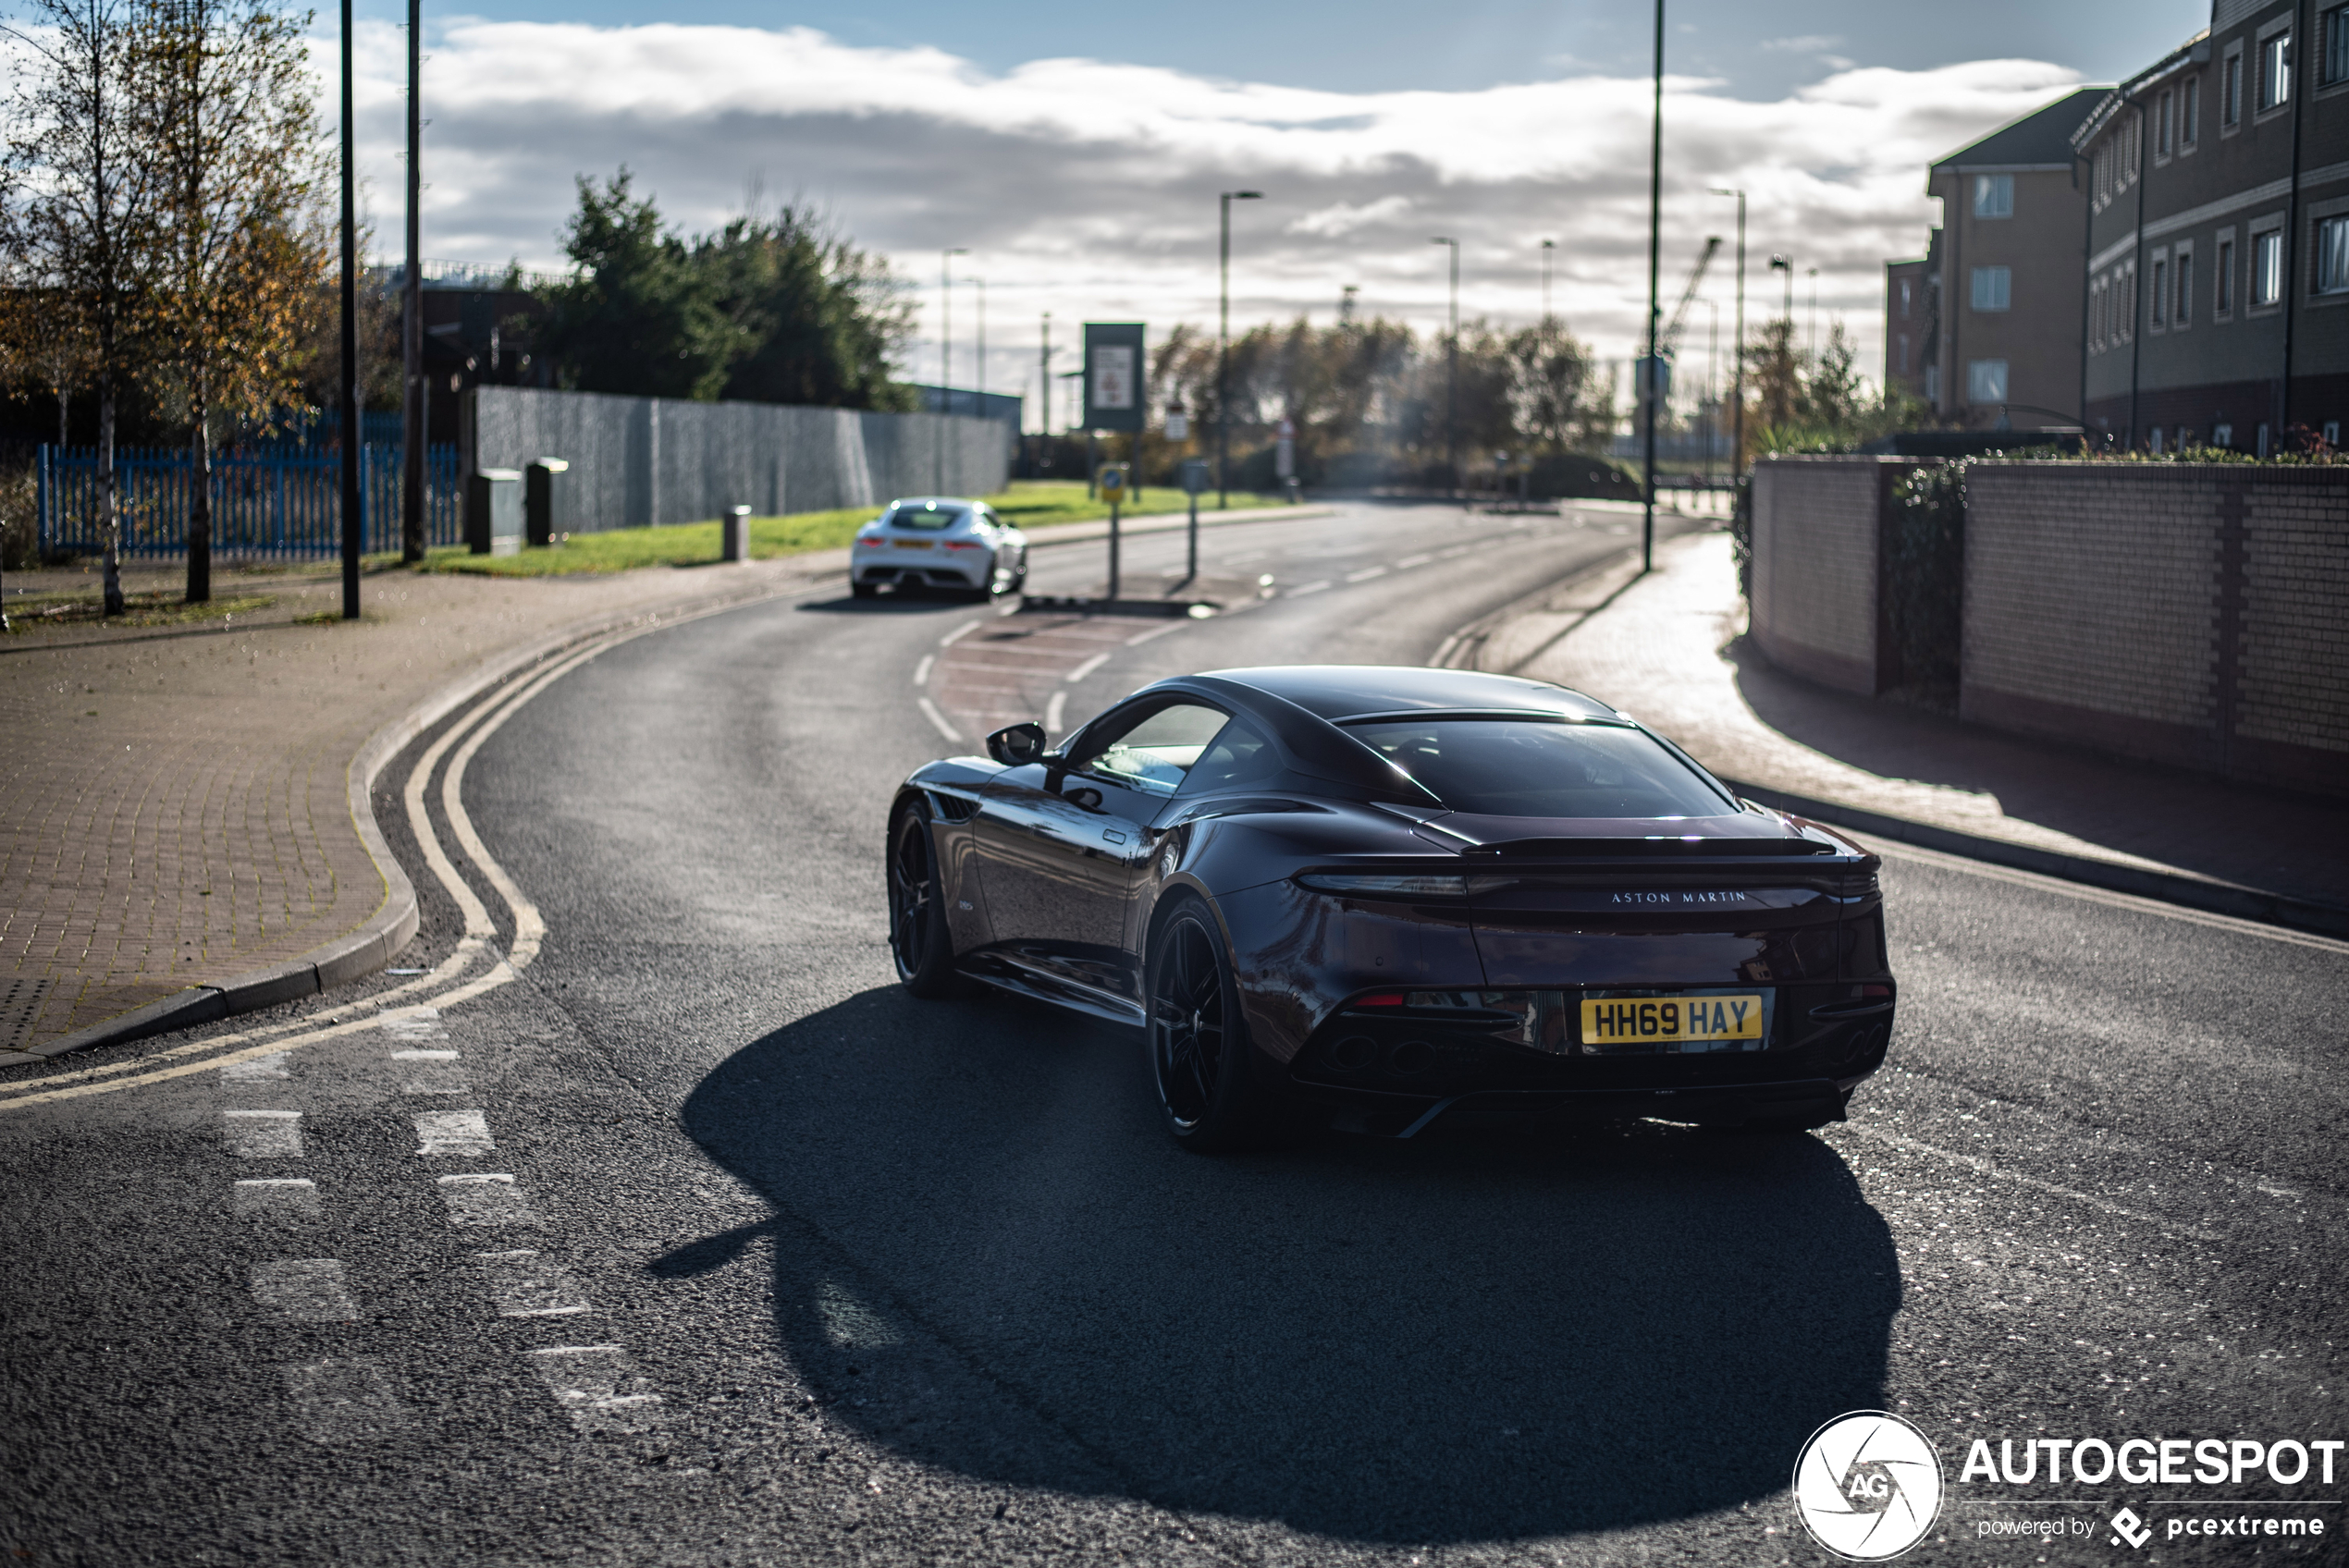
(1309, 588)
(1419, 560)
(1140, 638)
(486, 1200)
(452, 1132)
(930, 711)
(921, 670)
(275, 1198)
(345, 1401)
(432, 1072)
(304, 1289)
(1365, 576)
(599, 1388)
(263, 1134)
(1055, 711)
(529, 1284)
(259, 1069)
(1082, 670)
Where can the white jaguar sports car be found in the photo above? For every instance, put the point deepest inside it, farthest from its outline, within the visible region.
(937, 542)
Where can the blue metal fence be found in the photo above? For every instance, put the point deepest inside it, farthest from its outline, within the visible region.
(265, 502)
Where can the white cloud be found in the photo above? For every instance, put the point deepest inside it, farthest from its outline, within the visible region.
(1088, 188)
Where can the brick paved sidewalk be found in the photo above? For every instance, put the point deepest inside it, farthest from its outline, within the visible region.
(1668, 650)
(174, 805)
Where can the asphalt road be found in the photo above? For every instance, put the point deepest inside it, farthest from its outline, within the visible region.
(726, 1250)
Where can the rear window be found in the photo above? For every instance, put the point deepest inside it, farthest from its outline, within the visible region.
(930, 519)
(1521, 768)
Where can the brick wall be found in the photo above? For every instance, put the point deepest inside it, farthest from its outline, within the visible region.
(1818, 531)
(2191, 613)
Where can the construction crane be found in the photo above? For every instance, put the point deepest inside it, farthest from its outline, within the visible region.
(1666, 345)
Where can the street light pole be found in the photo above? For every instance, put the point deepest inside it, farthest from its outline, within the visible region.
(1812, 332)
(980, 408)
(1547, 246)
(1737, 363)
(1224, 353)
(945, 362)
(1651, 391)
(411, 334)
(353, 541)
(1452, 370)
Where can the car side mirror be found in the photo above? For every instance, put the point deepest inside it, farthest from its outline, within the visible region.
(1017, 745)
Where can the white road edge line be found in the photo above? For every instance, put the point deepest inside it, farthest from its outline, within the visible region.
(1082, 670)
(930, 711)
(1988, 1168)
(921, 670)
(1055, 711)
(1895, 850)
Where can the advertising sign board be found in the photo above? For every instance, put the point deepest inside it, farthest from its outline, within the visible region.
(1115, 395)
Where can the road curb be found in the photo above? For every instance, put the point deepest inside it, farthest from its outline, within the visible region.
(379, 938)
(2169, 887)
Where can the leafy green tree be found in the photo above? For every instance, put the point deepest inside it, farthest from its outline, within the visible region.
(641, 317)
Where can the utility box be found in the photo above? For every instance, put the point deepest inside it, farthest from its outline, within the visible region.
(734, 529)
(493, 511)
(538, 499)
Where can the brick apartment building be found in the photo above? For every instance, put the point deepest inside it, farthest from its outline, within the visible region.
(1998, 344)
(2218, 266)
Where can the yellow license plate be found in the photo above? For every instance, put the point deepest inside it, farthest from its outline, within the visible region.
(1667, 1019)
(913, 543)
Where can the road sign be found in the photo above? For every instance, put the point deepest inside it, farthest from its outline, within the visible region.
(1113, 482)
(1196, 475)
(1115, 395)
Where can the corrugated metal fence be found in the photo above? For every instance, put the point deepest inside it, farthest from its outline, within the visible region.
(264, 501)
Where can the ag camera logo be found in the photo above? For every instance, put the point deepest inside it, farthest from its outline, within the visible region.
(1868, 1486)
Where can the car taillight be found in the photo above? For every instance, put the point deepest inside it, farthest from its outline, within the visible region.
(1380, 998)
(965, 545)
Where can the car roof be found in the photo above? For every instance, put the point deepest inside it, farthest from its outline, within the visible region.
(1339, 692)
(919, 502)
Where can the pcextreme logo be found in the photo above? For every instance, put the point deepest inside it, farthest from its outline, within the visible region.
(1868, 1486)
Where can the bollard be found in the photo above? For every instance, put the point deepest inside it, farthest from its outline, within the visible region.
(538, 499)
(735, 526)
(493, 511)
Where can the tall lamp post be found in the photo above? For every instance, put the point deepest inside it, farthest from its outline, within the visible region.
(1452, 369)
(352, 542)
(1811, 332)
(1224, 353)
(945, 358)
(1737, 362)
(1652, 392)
(1547, 247)
(412, 333)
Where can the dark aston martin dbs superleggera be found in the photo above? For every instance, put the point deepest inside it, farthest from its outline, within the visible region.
(1396, 895)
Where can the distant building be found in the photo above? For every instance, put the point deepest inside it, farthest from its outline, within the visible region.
(1986, 326)
(2218, 266)
(964, 401)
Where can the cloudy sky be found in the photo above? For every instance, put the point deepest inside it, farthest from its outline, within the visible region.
(1079, 155)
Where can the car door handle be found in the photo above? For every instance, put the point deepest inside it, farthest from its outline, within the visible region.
(1113, 836)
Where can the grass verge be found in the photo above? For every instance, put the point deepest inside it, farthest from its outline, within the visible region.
(161, 606)
(1027, 506)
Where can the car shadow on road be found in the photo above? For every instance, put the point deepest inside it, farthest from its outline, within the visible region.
(990, 1259)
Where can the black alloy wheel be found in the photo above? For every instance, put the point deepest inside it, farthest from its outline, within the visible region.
(918, 939)
(1200, 1061)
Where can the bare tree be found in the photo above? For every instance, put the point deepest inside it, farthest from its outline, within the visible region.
(245, 250)
(80, 208)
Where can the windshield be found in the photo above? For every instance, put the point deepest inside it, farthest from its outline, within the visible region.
(1522, 768)
(929, 519)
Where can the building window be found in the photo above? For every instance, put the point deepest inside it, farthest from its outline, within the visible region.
(2185, 312)
(2190, 116)
(1904, 298)
(2230, 87)
(2224, 297)
(1902, 368)
(2332, 254)
(1933, 383)
(1986, 381)
(2275, 71)
(2335, 24)
(2266, 268)
(1994, 195)
(2332, 433)
(2222, 435)
(2160, 291)
(2161, 123)
(1993, 288)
